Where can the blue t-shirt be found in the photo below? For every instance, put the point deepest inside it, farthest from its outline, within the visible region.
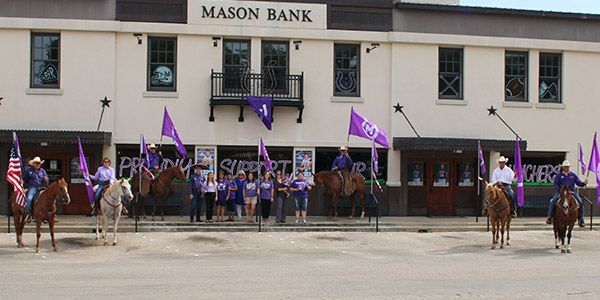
(266, 188)
(251, 188)
(239, 194)
(232, 194)
(222, 190)
(302, 185)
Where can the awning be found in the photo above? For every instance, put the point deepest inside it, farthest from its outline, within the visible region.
(56, 136)
(452, 144)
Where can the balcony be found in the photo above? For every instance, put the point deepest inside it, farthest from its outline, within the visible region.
(232, 89)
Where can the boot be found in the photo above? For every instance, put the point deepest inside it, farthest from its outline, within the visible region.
(549, 220)
(513, 212)
(581, 223)
(484, 212)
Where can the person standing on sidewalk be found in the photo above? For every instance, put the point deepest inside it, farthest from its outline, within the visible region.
(232, 190)
(266, 196)
(250, 193)
(222, 192)
(210, 195)
(282, 196)
(196, 193)
(300, 187)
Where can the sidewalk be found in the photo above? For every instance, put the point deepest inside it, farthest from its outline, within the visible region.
(83, 224)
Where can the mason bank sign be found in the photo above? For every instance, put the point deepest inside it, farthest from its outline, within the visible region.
(257, 14)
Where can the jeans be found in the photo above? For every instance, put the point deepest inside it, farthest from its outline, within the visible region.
(230, 206)
(281, 209)
(98, 194)
(30, 194)
(266, 207)
(555, 199)
(511, 193)
(196, 205)
(301, 203)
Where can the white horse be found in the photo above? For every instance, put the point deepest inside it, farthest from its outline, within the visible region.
(111, 205)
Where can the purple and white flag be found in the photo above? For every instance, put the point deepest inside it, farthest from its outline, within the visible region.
(481, 161)
(375, 159)
(263, 152)
(84, 169)
(594, 157)
(519, 170)
(144, 152)
(361, 127)
(581, 160)
(262, 107)
(168, 129)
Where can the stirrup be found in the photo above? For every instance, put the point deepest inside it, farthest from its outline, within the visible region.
(549, 221)
(581, 223)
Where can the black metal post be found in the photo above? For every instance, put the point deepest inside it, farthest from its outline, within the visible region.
(137, 208)
(8, 211)
(591, 215)
(259, 212)
(488, 223)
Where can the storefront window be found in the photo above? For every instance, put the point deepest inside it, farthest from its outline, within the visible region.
(416, 173)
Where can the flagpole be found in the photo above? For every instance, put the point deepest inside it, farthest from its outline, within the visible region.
(258, 178)
(139, 195)
(372, 158)
(161, 127)
(478, 184)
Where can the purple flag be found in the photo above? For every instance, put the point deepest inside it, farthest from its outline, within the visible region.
(263, 152)
(594, 157)
(360, 126)
(144, 151)
(519, 170)
(598, 187)
(481, 161)
(262, 107)
(84, 169)
(581, 160)
(375, 159)
(168, 129)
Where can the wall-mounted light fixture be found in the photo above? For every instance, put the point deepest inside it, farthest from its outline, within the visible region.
(139, 37)
(373, 46)
(297, 44)
(216, 40)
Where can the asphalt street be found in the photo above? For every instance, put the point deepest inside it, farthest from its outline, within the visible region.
(301, 265)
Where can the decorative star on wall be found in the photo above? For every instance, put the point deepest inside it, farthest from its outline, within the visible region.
(105, 102)
(398, 108)
(492, 111)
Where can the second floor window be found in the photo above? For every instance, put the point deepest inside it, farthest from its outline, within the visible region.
(515, 76)
(162, 64)
(45, 60)
(275, 59)
(550, 72)
(346, 70)
(450, 73)
(236, 60)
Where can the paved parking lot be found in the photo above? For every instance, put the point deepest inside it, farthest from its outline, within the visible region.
(294, 265)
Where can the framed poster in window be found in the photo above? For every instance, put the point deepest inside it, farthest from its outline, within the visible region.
(207, 157)
(416, 173)
(441, 174)
(304, 161)
(466, 174)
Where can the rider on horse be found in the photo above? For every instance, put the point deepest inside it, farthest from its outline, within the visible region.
(567, 178)
(35, 177)
(155, 158)
(504, 175)
(105, 176)
(341, 166)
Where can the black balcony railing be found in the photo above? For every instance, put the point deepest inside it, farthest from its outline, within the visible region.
(232, 89)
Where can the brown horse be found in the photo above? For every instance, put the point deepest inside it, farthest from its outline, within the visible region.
(498, 207)
(20, 214)
(567, 210)
(330, 182)
(160, 188)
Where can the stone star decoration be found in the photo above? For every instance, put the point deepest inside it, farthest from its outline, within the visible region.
(398, 107)
(492, 111)
(105, 102)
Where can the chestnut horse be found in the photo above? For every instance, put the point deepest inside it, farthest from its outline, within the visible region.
(44, 207)
(160, 188)
(332, 185)
(498, 207)
(567, 210)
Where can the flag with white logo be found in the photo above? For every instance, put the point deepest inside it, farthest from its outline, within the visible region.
(361, 127)
(262, 107)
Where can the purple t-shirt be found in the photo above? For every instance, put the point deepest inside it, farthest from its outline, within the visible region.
(250, 187)
(222, 190)
(231, 185)
(302, 186)
(266, 187)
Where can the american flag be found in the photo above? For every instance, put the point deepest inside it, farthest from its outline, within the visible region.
(14, 171)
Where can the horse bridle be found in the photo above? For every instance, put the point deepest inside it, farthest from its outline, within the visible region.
(569, 193)
(497, 210)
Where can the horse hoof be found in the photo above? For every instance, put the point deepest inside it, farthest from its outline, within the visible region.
(350, 217)
(162, 218)
(568, 250)
(97, 238)
(508, 243)
(493, 248)
(105, 243)
(20, 246)
(115, 243)
(37, 251)
(502, 247)
(557, 247)
(563, 251)
(362, 218)
(55, 249)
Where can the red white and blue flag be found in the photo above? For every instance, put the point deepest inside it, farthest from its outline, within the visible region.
(14, 171)
(519, 170)
(84, 169)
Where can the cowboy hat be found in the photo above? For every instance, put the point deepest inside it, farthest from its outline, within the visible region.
(343, 148)
(502, 159)
(36, 159)
(151, 146)
(565, 163)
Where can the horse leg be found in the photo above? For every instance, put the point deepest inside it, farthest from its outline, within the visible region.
(330, 203)
(569, 238)
(38, 224)
(508, 231)
(115, 223)
(335, 215)
(353, 201)
(162, 207)
(556, 245)
(562, 240)
(51, 226)
(97, 227)
(502, 224)
(105, 227)
(362, 205)
(19, 225)
(493, 234)
(154, 203)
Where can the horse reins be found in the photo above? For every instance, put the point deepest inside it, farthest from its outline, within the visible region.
(497, 210)
(111, 205)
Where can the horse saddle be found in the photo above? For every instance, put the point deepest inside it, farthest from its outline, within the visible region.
(346, 180)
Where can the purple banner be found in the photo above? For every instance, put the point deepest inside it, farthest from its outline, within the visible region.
(84, 169)
(361, 127)
(263, 152)
(481, 161)
(594, 157)
(262, 108)
(144, 151)
(169, 130)
(375, 159)
(519, 170)
(582, 160)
